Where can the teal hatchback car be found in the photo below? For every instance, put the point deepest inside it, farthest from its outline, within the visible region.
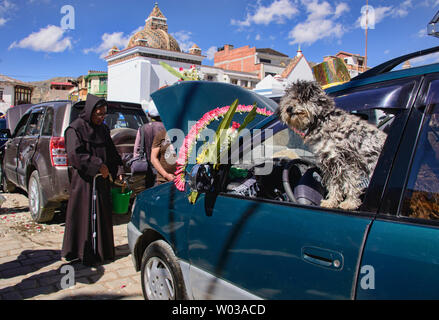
(261, 234)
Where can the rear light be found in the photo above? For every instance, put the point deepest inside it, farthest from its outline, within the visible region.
(58, 154)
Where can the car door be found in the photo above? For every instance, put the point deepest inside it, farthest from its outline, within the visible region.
(244, 246)
(11, 150)
(401, 256)
(28, 145)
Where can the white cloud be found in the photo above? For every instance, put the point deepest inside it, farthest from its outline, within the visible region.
(422, 33)
(321, 22)
(340, 9)
(109, 40)
(386, 51)
(258, 37)
(184, 40)
(276, 12)
(49, 39)
(210, 53)
(5, 8)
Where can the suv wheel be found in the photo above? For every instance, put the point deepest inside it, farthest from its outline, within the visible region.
(7, 186)
(38, 212)
(161, 275)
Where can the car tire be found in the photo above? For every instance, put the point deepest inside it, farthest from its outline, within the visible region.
(37, 210)
(7, 186)
(161, 274)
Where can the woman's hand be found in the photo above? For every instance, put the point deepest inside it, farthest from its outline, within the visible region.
(104, 171)
(169, 177)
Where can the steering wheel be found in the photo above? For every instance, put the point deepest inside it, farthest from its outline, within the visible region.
(286, 175)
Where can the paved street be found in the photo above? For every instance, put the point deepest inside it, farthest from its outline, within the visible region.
(31, 266)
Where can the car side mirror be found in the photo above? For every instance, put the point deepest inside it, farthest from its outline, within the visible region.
(5, 133)
(201, 178)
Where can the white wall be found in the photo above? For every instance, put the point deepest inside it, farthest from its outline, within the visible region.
(136, 79)
(127, 81)
(8, 97)
(302, 71)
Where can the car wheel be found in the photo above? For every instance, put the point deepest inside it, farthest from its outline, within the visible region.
(38, 212)
(161, 275)
(7, 186)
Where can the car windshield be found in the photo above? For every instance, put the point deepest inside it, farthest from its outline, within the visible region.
(118, 118)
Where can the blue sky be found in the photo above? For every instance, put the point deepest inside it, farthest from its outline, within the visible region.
(34, 46)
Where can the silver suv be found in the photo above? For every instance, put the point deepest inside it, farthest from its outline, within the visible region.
(35, 160)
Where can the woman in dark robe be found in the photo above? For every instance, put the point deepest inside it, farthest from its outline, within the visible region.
(90, 151)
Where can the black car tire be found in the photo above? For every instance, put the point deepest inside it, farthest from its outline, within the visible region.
(160, 257)
(7, 186)
(37, 210)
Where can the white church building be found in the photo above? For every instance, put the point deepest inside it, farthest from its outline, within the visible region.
(134, 73)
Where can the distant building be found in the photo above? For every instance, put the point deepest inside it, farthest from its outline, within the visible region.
(261, 62)
(354, 62)
(13, 92)
(59, 91)
(95, 82)
(243, 79)
(297, 69)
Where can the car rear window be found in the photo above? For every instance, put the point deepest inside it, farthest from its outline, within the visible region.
(118, 116)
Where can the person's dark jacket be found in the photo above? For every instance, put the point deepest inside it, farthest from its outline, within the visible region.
(88, 147)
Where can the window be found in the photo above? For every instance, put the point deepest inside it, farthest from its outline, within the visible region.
(34, 125)
(120, 118)
(21, 126)
(421, 197)
(22, 95)
(48, 123)
(234, 81)
(1, 95)
(265, 61)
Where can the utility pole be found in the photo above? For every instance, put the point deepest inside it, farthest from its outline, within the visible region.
(367, 16)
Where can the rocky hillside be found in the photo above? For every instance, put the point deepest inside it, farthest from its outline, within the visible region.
(42, 88)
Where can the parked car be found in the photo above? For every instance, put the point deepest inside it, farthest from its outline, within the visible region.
(260, 244)
(3, 132)
(35, 159)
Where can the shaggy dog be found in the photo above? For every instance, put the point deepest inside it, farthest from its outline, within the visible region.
(347, 146)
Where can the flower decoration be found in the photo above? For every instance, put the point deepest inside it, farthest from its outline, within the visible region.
(192, 74)
(224, 137)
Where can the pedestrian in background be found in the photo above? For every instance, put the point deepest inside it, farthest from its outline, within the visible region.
(90, 151)
(150, 130)
(163, 157)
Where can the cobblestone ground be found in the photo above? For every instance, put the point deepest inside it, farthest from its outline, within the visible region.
(31, 265)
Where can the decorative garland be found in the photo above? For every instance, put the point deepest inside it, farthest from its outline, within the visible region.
(195, 131)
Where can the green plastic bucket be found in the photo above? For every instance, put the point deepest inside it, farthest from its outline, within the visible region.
(121, 201)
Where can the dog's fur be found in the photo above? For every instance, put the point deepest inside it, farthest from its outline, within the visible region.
(347, 146)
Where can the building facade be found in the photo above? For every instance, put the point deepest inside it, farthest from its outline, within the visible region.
(13, 92)
(59, 91)
(355, 63)
(261, 62)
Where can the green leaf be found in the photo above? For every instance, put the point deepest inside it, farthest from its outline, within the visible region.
(193, 197)
(173, 71)
(222, 129)
(249, 118)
